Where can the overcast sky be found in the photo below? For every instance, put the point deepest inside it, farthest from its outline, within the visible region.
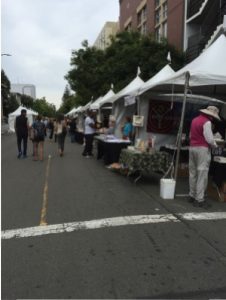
(40, 35)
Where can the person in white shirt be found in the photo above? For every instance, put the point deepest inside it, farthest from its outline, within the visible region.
(90, 130)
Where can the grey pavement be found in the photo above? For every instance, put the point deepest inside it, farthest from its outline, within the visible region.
(170, 260)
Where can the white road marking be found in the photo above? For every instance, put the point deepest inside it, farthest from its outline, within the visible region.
(108, 222)
(43, 220)
(203, 216)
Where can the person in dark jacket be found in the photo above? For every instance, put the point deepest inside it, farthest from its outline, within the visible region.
(51, 128)
(21, 128)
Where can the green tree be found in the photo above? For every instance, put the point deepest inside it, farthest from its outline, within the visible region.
(26, 101)
(86, 77)
(5, 93)
(13, 103)
(42, 107)
(94, 70)
(67, 105)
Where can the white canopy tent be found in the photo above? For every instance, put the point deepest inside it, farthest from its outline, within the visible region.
(85, 107)
(100, 103)
(103, 100)
(130, 89)
(96, 104)
(30, 115)
(207, 74)
(71, 112)
(163, 74)
(207, 69)
(207, 80)
(119, 110)
(74, 111)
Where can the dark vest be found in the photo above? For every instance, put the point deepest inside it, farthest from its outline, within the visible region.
(21, 125)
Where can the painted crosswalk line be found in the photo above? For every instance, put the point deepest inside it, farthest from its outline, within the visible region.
(110, 222)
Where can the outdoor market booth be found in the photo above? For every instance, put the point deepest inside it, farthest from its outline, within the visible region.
(124, 103)
(30, 115)
(172, 103)
(103, 108)
(109, 146)
(142, 157)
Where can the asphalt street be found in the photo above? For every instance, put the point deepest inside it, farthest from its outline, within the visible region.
(178, 259)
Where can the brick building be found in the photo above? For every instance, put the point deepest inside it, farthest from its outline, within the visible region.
(190, 25)
(162, 18)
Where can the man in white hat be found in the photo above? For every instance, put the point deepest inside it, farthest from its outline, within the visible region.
(201, 141)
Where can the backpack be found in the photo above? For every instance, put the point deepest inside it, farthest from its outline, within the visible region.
(39, 130)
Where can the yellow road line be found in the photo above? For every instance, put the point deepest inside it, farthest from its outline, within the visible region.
(43, 220)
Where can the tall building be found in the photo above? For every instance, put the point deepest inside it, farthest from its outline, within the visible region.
(162, 18)
(104, 38)
(203, 24)
(24, 89)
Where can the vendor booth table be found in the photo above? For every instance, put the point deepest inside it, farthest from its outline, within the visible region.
(219, 171)
(184, 152)
(137, 161)
(110, 149)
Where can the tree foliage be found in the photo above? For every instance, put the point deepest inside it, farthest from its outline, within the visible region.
(11, 101)
(94, 70)
(42, 107)
(85, 78)
(26, 100)
(5, 93)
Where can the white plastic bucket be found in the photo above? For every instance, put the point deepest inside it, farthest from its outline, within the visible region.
(167, 188)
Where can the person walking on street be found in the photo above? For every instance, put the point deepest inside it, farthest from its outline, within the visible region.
(39, 136)
(21, 126)
(61, 131)
(89, 134)
(201, 142)
(51, 128)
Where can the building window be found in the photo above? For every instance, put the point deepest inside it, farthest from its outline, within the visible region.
(164, 10)
(164, 29)
(157, 17)
(158, 34)
(142, 15)
(143, 29)
(128, 27)
(157, 2)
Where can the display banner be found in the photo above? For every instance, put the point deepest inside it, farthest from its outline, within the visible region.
(129, 100)
(163, 117)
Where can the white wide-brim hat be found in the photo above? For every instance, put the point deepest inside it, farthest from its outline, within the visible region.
(212, 111)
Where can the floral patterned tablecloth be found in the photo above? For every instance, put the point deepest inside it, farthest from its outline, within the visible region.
(157, 161)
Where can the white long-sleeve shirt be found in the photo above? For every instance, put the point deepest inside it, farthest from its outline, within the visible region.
(208, 134)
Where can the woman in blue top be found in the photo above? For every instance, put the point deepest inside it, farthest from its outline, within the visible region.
(127, 129)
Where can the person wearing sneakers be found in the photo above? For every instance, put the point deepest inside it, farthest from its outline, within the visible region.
(89, 134)
(201, 142)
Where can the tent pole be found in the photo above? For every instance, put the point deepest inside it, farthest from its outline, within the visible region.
(187, 76)
(138, 112)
